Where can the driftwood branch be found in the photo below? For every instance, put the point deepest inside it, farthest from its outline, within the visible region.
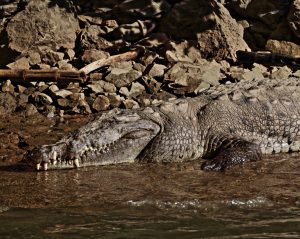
(267, 58)
(43, 75)
(130, 55)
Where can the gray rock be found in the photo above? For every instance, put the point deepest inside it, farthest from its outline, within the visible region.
(90, 38)
(70, 54)
(255, 73)
(44, 66)
(101, 103)
(96, 76)
(157, 70)
(92, 55)
(219, 35)
(294, 18)
(121, 77)
(65, 103)
(283, 47)
(131, 104)
(281, 73)
(115, 100)
(53, 26)
(21, 89)
(74, 87)
(51, 57)
(22, 100)
(124, 91)
(64, 65)
(8, 87)
(49, 111)
(136, 89)
(186, 51)
(96, 88)
(62, 93)
(34, 58)
(190, 76)
(21, 63)
(84, 107)
(8, 103)
(30, 110)
(53, 88)
(125, 65)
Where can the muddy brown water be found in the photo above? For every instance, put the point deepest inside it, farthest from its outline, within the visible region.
(259, 200)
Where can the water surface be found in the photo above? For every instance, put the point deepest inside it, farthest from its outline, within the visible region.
(259, 200)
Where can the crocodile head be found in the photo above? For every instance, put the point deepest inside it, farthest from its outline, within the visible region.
(114, 137)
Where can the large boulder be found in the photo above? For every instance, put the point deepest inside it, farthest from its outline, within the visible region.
(218, 34)
(42, 24)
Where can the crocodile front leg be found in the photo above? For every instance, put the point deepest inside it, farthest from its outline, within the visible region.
(224, 152)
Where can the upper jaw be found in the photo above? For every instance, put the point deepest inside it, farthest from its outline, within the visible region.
(114, 138)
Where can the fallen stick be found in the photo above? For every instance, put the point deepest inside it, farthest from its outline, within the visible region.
(267, 58)
(43, 75)
(130, 55)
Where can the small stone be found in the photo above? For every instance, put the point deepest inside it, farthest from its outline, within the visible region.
(139, 67)
(62, 93)
(22, 99)
(84, 107)
(30, 110)
(64, 65)
(49, 111)
(297, 74)
(282, 73)
(34, 58)
(21, 88)
(8, 103)
(53, 88)
(121, 77)
(96, 88)
(74, 87)
(8, 87)
(101, 103)
(21, 63)
(29, 90)
(130, 104)
(157, 70)
(70, 54)
(77, 96)
(136, 89)
(124, 91)
(115, 100)
(44, 66)
(51, 57)
(62, 102)
(92, 55)
(96, 76)
(283, 47)
(253, 74)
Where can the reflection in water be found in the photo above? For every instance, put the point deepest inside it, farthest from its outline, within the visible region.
(260, 200)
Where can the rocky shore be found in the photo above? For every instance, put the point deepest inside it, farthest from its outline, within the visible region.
(186, 46)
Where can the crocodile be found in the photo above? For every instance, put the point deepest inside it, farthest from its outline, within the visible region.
(226, 125)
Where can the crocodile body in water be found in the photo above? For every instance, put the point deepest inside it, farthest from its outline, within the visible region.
(229, 124)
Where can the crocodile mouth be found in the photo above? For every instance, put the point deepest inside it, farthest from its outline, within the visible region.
(119, 138)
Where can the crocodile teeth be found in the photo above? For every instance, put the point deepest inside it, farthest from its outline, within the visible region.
(38, 166)
(76, 163)
(45, 166)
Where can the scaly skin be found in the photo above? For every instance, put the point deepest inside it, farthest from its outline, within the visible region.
(229, 124)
